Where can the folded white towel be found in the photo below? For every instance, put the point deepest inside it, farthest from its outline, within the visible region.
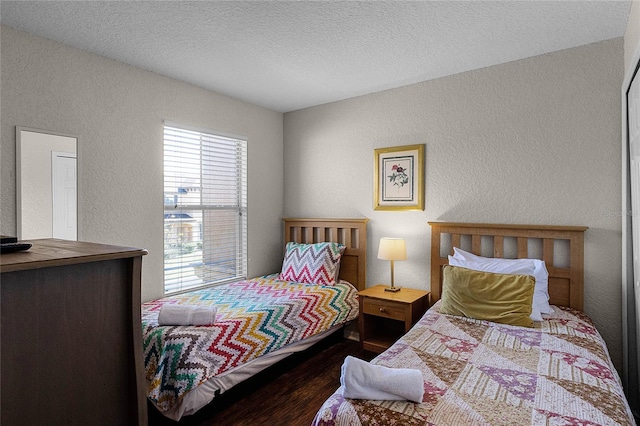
(171, 314)
(362, 380)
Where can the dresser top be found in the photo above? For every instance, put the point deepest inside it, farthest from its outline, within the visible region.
(50, 252)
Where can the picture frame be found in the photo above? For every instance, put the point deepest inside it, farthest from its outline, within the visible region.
(399, 178)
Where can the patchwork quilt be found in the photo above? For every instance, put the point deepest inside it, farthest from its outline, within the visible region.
(483, 373)
(253, 317)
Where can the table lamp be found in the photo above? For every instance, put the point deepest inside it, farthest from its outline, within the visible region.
(392, 249)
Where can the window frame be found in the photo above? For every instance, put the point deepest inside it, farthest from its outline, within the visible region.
(210, 140)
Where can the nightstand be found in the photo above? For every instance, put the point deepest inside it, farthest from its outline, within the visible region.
(386, 316)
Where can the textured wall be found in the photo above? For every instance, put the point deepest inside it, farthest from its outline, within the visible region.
(118, 112)
(530, 141)
(632, 37)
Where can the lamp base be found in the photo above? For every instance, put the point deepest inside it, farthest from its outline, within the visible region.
(392, 289)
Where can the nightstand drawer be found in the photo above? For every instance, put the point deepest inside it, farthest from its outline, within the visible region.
(384, 308)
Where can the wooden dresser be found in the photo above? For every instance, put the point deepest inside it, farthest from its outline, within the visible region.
(71, 336)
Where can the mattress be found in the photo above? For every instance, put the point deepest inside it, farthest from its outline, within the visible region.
(483, 373)
(255, 318)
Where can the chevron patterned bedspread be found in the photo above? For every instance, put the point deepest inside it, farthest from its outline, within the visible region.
(482, 373)
(253, 317)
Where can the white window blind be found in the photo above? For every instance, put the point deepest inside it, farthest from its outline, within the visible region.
(205, 209)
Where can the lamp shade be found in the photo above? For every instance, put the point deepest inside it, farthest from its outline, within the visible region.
(392, 249)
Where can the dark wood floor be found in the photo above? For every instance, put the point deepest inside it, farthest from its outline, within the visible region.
(289, 393)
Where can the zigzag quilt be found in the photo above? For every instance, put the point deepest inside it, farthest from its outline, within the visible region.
(253, 317)
(483, 373)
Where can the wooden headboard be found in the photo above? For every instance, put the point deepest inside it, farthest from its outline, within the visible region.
(566, 269)
(350, 232)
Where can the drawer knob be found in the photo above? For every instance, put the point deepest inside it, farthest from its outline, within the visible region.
(382, 310)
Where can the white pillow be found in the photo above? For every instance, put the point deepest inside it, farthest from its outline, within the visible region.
(501, 268)
(540, 273)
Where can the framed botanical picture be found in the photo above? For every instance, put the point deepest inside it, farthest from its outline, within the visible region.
(399, 178)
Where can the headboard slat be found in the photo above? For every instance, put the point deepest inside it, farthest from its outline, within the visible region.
(455, 240)
(523, 248)
(547, 251)
(566, 285)
(476, 244)
(333, 234)
(498, 246)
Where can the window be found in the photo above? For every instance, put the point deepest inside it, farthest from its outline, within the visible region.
(205, 209)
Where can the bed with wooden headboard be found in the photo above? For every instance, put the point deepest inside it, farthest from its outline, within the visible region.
(566, 281)
(259, 321)
(476, 371)
(352, 233)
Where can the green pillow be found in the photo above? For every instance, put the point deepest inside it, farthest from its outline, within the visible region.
(502, 298)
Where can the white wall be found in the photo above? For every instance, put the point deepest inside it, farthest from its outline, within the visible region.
(118, 112)
(531, 141)
(632, 37)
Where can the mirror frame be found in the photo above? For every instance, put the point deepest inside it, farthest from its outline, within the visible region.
(19, 172)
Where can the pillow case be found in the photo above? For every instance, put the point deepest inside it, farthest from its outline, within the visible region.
(317, 263)
(541, 295)
(522, 268)
(501, 298)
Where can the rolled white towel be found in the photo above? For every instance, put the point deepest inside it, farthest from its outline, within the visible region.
(171, 314)
(362, 380)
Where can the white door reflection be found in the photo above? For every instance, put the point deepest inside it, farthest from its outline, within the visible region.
(64, 190)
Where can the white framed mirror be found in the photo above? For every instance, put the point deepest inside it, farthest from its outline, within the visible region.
(46, 184)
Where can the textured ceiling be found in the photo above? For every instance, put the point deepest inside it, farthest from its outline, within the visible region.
(291, 55)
